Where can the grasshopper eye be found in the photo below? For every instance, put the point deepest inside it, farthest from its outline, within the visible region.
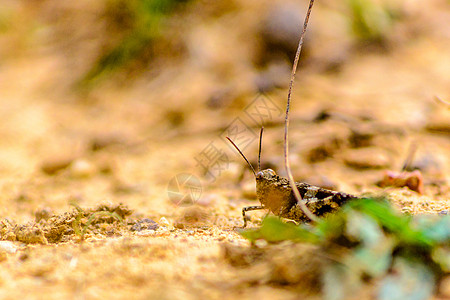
(259, 175)
(271, 172)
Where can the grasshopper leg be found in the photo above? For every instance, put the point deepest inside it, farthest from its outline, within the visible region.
(249, 208)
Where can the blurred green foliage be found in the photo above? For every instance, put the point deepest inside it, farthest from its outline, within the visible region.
(368, 240)
(371, 21)
(142, 22)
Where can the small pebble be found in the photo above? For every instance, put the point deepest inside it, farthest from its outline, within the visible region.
(439, 122)
(407, 210)
(323, 150)
(179, 225)
(105, 140)
(366, 158)
(145, 233)
(8, 247)
(412, 180)
(144, 224)
(362, 137)
(280, 28)
(54, 165)
(82, 168)
(163, 222)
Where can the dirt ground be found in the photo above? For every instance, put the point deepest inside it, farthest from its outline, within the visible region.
(110, 156)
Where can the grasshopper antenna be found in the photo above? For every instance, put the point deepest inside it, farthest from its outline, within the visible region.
(300, 201)
(259, 151)
(242, 154)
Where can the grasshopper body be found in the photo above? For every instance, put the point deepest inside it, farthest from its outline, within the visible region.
(275, 194)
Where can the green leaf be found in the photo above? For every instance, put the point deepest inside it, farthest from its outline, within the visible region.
(363, 228)
(274, 230)
(392, 221)
(435, 228)
(373, 261)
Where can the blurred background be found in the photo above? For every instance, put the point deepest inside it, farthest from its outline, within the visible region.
(110, 99)
(129, 101)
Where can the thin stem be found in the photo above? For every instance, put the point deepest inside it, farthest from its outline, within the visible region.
(409, 158)
(297, 195)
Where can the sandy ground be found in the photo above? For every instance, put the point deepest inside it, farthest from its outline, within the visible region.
(124, 142)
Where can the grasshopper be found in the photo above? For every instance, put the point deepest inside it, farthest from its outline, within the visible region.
(283, 196)
(276, 195)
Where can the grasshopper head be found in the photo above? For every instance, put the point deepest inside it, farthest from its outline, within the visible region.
(266, 174)
(272, 191)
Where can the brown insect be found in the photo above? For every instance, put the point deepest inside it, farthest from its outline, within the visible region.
(283, 196)
(276, 195)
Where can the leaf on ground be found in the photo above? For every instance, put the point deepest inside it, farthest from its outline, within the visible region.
(274, 230)
(395, 223)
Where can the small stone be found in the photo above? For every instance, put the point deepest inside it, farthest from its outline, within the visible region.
(280, 28)
(412, 180)
(366, 158)
(179, 225)
(105, 140)
(54, 165)
(407, 210)
(323, 150)
(30, 235)
(8, 247)
(144, 224)
(82, 168)
(163, 222)
(362, 137)
(439, 122)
